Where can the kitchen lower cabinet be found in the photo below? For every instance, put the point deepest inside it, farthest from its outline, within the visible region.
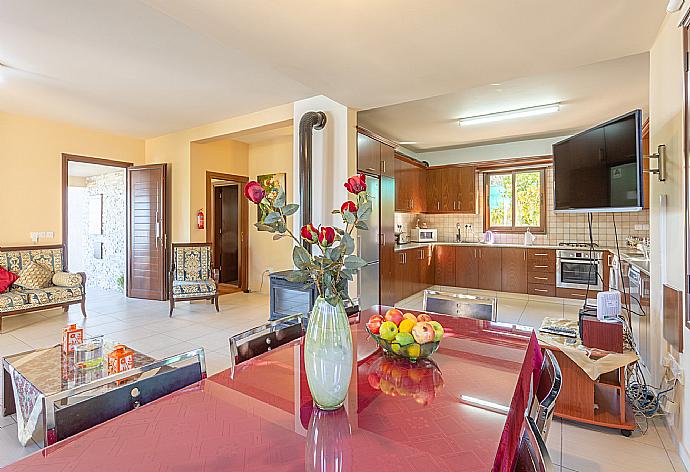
(466, 266)
(444, 270)
(489, 268)
(514, 270)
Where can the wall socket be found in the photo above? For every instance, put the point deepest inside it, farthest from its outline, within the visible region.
(38, 235)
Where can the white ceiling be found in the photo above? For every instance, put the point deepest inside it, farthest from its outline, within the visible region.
(264, 136)
(84, 169)
(149, 67)
(588, 95)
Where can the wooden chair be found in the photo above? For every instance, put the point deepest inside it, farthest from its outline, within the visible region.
(456, 304)
(192, 276)
(154, 380)
(255, 341)
(547, 391)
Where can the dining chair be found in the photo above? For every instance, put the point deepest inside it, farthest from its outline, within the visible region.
(255, 341)
(103, 399)
(547, 391)
(532, 454)
(457, 304)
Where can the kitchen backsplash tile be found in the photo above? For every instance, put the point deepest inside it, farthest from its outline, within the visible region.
(559, 226)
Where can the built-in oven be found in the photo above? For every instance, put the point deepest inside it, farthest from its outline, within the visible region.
(579, 269)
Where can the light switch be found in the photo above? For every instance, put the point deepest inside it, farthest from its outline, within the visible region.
(34, 236)
(50, 234)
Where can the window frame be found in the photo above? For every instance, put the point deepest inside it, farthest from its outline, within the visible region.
(541, 229)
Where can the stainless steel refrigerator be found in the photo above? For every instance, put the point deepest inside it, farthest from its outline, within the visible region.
(368, 249)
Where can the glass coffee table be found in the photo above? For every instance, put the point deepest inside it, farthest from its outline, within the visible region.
(30, 376)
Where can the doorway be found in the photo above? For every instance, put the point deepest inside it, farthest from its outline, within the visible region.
(227, 229)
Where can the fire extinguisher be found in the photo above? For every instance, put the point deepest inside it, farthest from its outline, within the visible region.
(200, 219)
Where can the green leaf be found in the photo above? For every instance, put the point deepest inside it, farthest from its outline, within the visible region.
(272, 217)
(354, 262)
(290, 208)
(300, 257)
(280, 226)
(348, 244)
(279, 202)
(265, 227)
(349, 218)
(278, 236)
(300, 276)
(364, 211)
(362, 225)
(339, 231)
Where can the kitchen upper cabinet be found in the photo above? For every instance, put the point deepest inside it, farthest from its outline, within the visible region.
(514, 270)
(466, 266)
(444, 270)
(410, 186)
(374, 157)
(451, 190)
(489, 268)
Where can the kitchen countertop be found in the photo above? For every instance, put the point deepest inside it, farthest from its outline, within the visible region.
(635, 259)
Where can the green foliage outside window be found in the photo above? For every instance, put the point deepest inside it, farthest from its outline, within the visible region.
(517, 195)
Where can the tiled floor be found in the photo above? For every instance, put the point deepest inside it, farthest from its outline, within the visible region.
(145, 326)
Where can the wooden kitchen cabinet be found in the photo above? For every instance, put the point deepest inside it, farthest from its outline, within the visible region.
(466, 266)
(374, 156)
(426, 268)
(434, 190)
(444, 265)
(489, 268)
(387, 283)
(410, 186)
(451, 190)
(514, 270)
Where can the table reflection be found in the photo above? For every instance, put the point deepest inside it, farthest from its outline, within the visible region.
(329, 446)
(401, 378)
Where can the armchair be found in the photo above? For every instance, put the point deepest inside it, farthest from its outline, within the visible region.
(192, 276)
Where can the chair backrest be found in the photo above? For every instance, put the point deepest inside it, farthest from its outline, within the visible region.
(192, 262)
(163, 378)
(255, 341)
(532, 454)
(456, 304)
(16, 258)
(547, 392)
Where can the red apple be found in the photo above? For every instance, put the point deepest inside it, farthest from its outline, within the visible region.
(423, 317)
(374, 323)
(394, 315)
(374, 380)
(423, 332)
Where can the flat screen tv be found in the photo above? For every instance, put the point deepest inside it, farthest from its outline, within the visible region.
(600, 169)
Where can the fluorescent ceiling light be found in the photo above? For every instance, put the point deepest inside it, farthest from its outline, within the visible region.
(487, 405)
(510, 114)
(407, 142)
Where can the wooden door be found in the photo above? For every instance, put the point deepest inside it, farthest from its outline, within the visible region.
(387, 241)
(434, 195)
(466, 266)
(418, 190)
(403, 186)
(368, 154)
(227, 237)
(489, 268)
(147, 240)
(514, 270)
(387, 160)
(444, 260)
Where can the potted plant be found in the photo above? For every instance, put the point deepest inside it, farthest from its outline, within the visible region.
(328, 342)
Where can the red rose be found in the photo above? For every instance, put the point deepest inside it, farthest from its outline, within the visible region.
(254, 192)
(326, 236)
(309, 233)
(356, 184)
(348, 206)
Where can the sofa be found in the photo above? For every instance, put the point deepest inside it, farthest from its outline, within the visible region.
(192, 276)
(69, 290)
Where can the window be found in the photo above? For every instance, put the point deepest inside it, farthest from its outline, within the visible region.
(514, 201)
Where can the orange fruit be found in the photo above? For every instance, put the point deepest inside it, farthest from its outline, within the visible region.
(406, 326)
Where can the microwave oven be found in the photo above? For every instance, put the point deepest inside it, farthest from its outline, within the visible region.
(423, 235)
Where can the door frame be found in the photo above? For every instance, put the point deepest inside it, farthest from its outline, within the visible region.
(243, 223)
(66, 159)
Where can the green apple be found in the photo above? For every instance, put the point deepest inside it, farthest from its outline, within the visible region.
(388, 330)
(404, 339)
(438, 329)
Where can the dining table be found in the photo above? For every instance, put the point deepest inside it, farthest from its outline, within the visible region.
(460, 410)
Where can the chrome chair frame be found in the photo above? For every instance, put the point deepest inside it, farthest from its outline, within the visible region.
(542, 410)
(459, 298)
(540, 460)
(49, 401)
(251, 334)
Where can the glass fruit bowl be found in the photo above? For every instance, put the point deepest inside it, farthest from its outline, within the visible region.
(411, 351)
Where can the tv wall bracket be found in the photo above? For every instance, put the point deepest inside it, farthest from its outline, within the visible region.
(660, 157)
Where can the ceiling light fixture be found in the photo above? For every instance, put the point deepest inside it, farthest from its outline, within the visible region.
(510, 114)
(407, 142)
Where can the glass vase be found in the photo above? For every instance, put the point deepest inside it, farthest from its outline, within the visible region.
(328, 354)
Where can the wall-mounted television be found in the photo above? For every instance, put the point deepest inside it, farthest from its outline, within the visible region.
(600, 169)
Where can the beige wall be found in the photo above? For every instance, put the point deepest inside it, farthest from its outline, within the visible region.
(175, 148)
(31, 169)
(268, 158)
(226, 156)
(667, 225)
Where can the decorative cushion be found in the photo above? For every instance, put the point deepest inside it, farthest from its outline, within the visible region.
(35, 275)
(192, 263)
(17, 260)
(190, 289)
(7, 278)
(51, 295)
(67, 279)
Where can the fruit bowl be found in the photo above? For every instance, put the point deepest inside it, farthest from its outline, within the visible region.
(405, 336)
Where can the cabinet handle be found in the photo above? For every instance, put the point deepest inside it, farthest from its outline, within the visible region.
(438, 205)
(539, 290)
(454, 203)
(541, 267)
(541, 278)
(370, 169)
(475, 253)
(524, 255)
(421, 254)
(543, 255)
(383, 166)
(382, 239)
